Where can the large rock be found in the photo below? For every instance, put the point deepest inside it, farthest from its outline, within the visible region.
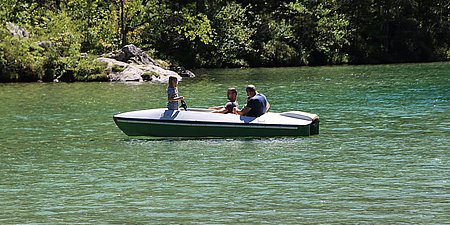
(182, 71)
(125, 72)
(17, 31)
(132, 64)
(133, 54)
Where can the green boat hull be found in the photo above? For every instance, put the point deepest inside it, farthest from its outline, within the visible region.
(212, 130)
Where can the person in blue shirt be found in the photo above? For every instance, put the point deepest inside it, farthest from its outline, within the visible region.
(172, 94)
(256, 106)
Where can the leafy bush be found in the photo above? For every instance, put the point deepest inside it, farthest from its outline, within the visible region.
(47, 54)
(117, 68)
(163, 63)
(18, 59)
(233, 39)
(148, 76)
(91, 70)
(59, 30)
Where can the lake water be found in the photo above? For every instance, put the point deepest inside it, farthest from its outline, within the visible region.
(382, 155)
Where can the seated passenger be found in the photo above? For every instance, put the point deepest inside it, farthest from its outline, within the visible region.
(228, 107)
(256, 106)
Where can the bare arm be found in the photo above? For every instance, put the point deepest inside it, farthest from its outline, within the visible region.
(267, 106)
(222, 110)
(174, 99)
(242, 112)
(216, 107)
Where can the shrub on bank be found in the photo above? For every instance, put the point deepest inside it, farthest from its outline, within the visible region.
(89, 69)
(18, 59)
(29, 59)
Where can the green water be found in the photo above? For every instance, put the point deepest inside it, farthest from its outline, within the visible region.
(382, 156)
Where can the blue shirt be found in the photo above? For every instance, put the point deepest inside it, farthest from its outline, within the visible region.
(257, 104)
(172, 93)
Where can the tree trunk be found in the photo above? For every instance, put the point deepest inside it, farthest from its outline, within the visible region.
(123, 32)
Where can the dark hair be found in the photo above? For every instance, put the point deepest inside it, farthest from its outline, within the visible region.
(172, 78)
(233, 90)
(251, 88)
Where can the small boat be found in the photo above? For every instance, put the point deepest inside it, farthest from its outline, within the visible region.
(203, 123)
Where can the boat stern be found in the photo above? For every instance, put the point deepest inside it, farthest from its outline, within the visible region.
(314, 126)
(314, 118)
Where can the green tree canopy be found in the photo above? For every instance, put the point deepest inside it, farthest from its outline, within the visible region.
(211, 33)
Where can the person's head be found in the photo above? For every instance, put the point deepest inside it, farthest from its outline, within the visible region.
(232, 94)
(251, 90)
(173, 81)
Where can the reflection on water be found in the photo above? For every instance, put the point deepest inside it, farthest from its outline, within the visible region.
(382, 155)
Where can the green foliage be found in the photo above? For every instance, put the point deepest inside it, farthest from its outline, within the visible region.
(58, 29)
(278, 45)
(161, 62)
(91, 70)
(6, 7)
(51, 52)
(219, 33)
(232, 39)
(398, 31)
(323, 30)
(18, 59)
(195, 27)
(96, 21)
(148, 76)
(277, 52)
(117, 68)
(332, 34)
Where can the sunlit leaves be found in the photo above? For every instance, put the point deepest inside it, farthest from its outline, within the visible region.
(195, 27)
(242, 33)
(233, 35)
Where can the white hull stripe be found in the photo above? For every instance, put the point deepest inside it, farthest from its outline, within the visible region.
(207, 125)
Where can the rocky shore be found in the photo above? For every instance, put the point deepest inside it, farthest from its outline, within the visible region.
(28, 60)
(132, 64)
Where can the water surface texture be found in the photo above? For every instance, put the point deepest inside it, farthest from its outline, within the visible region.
(382, 156)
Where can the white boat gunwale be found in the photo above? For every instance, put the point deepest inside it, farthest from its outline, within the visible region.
(205, 123)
